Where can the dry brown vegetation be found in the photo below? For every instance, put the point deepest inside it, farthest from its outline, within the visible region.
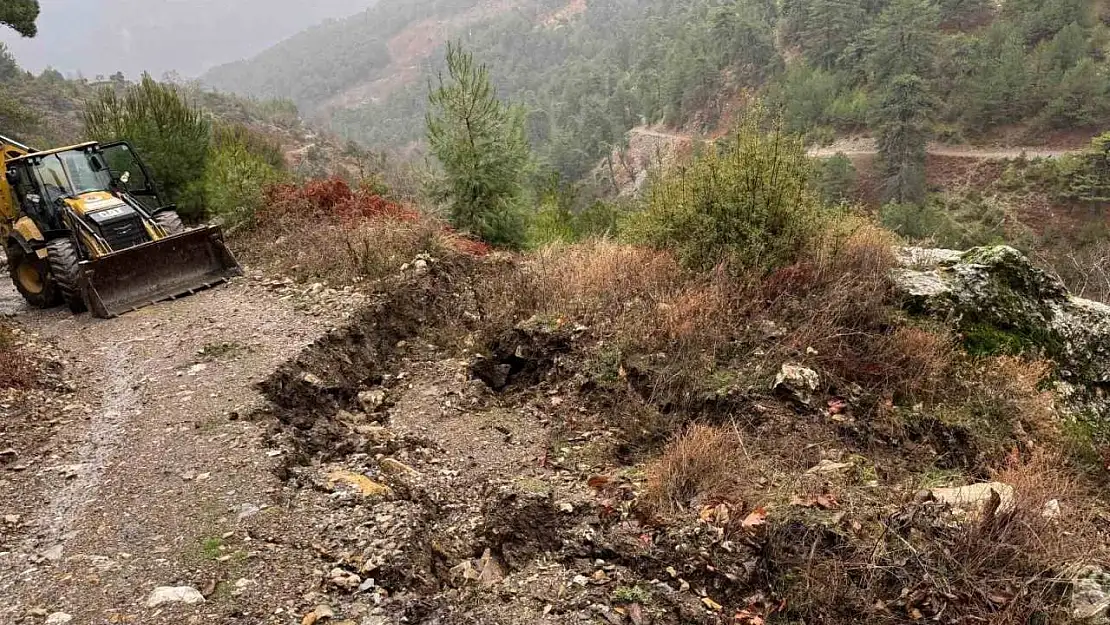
(921, 560)
(699, 465)
(325, 230)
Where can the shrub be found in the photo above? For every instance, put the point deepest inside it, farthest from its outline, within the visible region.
(240, 166)
(836, 179)
(324, 230)
(747, 204)
(169, 132)
(947, 220)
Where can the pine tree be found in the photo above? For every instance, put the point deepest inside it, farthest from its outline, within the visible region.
(169, 132)
(20, 15)
(904, 121)
(828, 28)
(904, 40)
(479, 142)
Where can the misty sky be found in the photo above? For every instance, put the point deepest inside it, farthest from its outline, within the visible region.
(188, 36)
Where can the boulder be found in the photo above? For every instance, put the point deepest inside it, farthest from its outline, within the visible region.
(998, 299)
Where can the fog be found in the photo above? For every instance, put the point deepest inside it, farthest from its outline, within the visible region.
(97, 37)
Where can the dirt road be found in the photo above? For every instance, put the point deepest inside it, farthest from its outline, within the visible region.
(866, 147)
(164, 466)
(148, 469)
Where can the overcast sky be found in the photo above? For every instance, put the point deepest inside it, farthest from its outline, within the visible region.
(188, 36)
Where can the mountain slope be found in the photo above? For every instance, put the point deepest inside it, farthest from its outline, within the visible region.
(590, 71)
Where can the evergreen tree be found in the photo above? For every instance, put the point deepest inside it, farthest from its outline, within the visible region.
(169, 132)
(20, 15)
(829, 27)
(904, 121)
(479, 142)
(904, 40)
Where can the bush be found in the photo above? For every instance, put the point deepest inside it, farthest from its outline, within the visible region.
(947, 221)
(836, 179)
(170, 133)
(325, 230)
(746, 203)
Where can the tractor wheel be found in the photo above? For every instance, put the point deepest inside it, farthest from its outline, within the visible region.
(64, 261)
(32, 278)
(170, 222)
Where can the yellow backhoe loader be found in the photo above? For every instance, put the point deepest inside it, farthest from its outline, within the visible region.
(84, 226)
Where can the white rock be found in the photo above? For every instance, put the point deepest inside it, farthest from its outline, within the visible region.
(174, 594)
(828, 466)
(800, 382)
(58, 618)
(1051, 509)
(975, 496)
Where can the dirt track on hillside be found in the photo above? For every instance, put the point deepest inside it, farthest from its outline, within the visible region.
(866, 147)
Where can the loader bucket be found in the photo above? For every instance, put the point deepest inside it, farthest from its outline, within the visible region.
(152, 272)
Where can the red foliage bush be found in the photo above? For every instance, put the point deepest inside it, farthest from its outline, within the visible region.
(332, 199)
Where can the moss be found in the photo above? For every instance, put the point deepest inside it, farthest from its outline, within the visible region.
(631, 594)
(983, 339)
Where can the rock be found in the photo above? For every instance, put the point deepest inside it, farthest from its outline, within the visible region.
(312, 380)
(420, 266)
(1001, 301)
(58, 618)
(797, 382)
(827, 466)
(974, 496)
(1051, 509)
(1090, 593)
(174, 594)
(8, 455)
(11, 519)
(344, 579)
(54, 553)
(393, 466)
(363, 485)
(322, 613)
(490, 572)
(371, 400)
(376, 434)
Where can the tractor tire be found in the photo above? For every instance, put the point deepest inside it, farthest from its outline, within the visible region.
(170, 222)
(64, 262)
(32, 278)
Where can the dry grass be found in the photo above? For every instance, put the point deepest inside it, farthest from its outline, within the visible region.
(699, 466)
(923, 561)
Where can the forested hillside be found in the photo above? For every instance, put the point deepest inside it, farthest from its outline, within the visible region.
(590, 71)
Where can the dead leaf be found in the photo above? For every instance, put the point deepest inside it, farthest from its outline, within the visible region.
(755, 519)
(747, 617)
(837, 405)
(711, 604)
(827, 501)
(598, 482)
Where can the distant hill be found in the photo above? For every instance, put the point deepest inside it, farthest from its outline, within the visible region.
(133, 36)
(590, 70)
